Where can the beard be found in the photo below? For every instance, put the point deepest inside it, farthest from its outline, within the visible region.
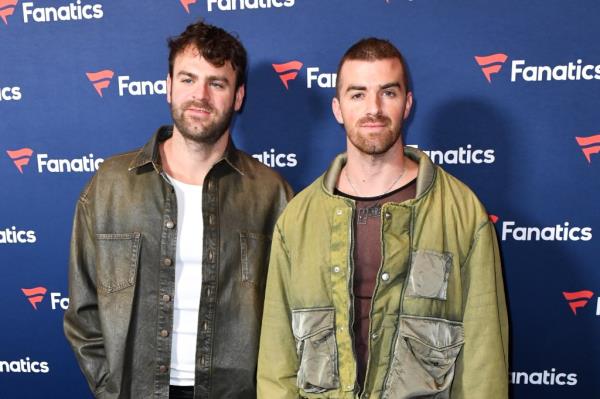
(374, 143)
(193, 129)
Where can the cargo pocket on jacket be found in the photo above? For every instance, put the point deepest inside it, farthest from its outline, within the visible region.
(254, 257)
(117, 257)
(428, 276)
(317, 350)
(424, 359)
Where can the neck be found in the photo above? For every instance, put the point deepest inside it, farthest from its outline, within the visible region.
(189, 161)
(367, 175)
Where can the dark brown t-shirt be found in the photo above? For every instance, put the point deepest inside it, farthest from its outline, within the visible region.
(367, 261)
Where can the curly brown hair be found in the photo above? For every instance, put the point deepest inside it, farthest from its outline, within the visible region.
(214, 44)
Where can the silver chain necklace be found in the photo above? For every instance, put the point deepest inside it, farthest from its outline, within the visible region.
(386, 191)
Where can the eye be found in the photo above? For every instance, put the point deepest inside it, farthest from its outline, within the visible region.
(357, 96)
(186, 80)
(217, 84)
(389, 93)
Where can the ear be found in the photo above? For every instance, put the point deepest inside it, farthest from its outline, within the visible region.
(169, 88)
(239, 97)
(337, 111)
(409, 102)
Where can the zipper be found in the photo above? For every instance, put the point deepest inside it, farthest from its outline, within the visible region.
(351, 290)
(381, 216)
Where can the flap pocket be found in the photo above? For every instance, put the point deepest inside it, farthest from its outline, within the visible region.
(117, 257)
(254, 257)
(309, 322)
(316, 348)
(435, 343)
(424, 359)
(428, 276)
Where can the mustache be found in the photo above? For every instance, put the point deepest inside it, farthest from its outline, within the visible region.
(374, 119)
(204, 104)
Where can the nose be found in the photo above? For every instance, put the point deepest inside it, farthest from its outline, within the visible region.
(373, 102)
(201, 91)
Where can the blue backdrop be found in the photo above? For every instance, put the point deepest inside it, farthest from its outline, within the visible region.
(507, 96)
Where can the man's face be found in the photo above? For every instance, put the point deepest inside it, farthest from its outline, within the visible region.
(373, 104)
(202, 97)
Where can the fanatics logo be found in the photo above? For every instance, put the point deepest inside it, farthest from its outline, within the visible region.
(186, 4)
(578, 299)
(20, 157)
(34, 295)
(100, 80)
(7, 8)
(287, 71)
(589, 145)
(493, 218)
(491, 64)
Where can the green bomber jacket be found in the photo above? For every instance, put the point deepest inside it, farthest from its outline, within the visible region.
(438, 321)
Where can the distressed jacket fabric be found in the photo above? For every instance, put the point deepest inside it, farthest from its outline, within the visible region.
(122, 274)
(438, 326)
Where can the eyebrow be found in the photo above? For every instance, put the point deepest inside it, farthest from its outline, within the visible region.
(390, 85)
(383, 87)
(185, 73)
(211, 78)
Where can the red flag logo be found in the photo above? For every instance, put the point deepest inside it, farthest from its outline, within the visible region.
(287, 71)
(491, 64)
(589, 145)
(7, 8)
(578, 299)
(20, 157)
(186, 4)
(34, 295)
(100, 79)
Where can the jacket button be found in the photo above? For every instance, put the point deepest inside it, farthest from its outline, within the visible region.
(211, 219)
(167, 261)
(210, 255)
(388, 216)
(385, 276)
(374, 336)
(204, 325)
(164, 333)
(163, 368)
(166, 298)
(170, 224)
(336, 269)
(338, 212)
(210, 185)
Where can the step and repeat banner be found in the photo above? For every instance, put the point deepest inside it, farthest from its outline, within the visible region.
(507, 98)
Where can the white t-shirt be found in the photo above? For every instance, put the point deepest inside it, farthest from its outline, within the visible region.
(188, 282)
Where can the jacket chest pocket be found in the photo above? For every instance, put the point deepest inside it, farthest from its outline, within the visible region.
(254, 257)
(317, 350)
(117, 257)
(424, 358)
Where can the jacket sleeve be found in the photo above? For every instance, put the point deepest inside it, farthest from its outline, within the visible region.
(81, 323)
(482, 366)
(277, 358)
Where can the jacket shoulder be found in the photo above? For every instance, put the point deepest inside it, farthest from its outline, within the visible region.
(263, 175)
(311, 201)
(460, 196)
(112, 169)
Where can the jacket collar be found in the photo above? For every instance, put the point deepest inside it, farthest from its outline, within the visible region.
(425, 177)
(149, 153)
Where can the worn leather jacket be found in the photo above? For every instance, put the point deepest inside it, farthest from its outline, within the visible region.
(438, 321)
(122, 274)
